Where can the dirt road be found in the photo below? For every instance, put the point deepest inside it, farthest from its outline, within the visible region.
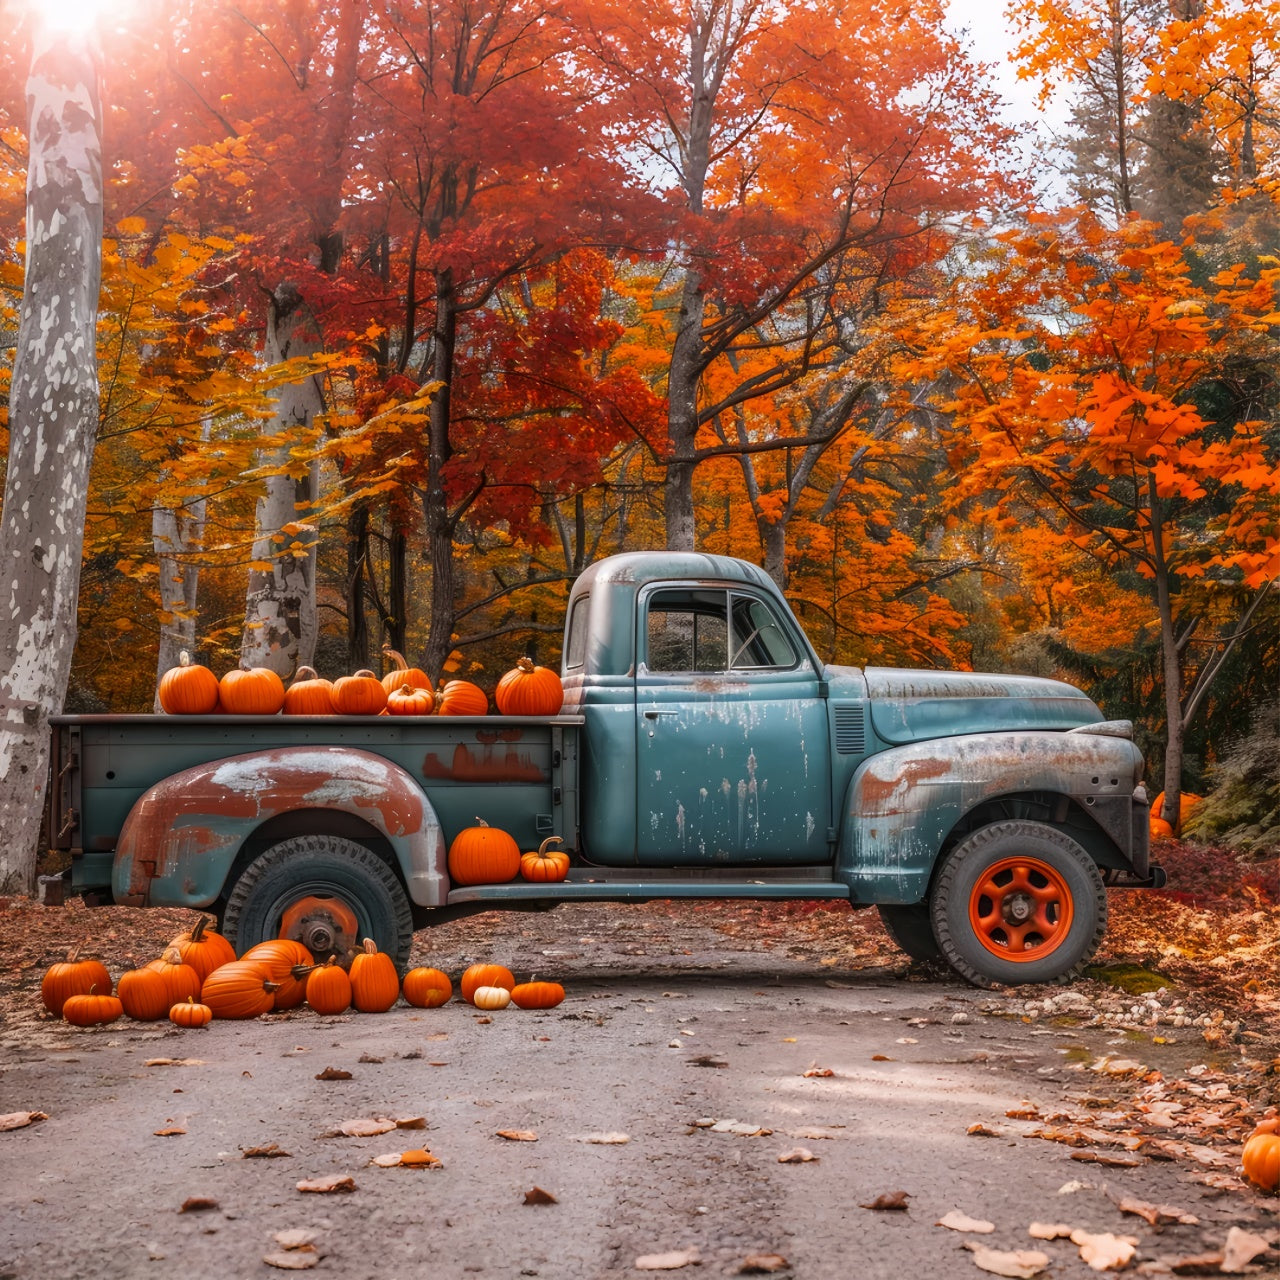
(671, 1038)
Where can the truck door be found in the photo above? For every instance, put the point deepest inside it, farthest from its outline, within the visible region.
(731, 733)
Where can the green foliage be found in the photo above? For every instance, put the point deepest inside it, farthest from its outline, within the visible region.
(1243, 808)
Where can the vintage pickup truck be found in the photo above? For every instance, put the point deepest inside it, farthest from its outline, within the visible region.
(703, 751)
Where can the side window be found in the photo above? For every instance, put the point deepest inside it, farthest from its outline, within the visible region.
(687, 631)
(575, 649)
(757, 638)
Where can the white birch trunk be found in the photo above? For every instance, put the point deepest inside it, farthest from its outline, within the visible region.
(53, 419)
(280, 608)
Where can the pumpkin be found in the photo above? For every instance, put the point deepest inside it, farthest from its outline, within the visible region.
(88, 1010)
(461, 698)
(181, 981)
(1186, 803)
(375, 985)
(73, 977)
(485, 975)
(279, 956)
(483, 855)
(328, 988)
(144, 994)
(308, 695)
(190, 1014)
(403, 674)
(241, 989)
(409, 700)
(203, 949)
(1160, 829)
(546, 864)
(359, 695)
(188, 689)
(491, 998)
(427, 988)
(537, 995)
(1261, 1155)
(528, 690)
(257, 691)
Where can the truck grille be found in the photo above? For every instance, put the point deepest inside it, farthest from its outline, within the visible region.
(851, 730)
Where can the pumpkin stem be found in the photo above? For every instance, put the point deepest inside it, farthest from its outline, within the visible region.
(542, 848)
(303, 674)
(397, 658)
(184, 659)
(197, 934)
(525, 664)
(370, 947)
(172, 956)
(480, 822)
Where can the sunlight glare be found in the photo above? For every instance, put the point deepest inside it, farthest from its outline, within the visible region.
(71, 15)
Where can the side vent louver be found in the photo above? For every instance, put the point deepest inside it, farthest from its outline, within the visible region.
(851, 730)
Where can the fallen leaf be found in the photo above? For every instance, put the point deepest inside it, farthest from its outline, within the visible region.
(981, 1131)
(1020, 1264)
(272, 1151)
(176, 1062)
(1117, 1066)
(667, 1261)
(816, 1132)
(536, 1195)
(1155, 1214)
(388, 1161)
(334, 1073)
(369, 1057)
(412, 1122)
(297, 1238)
(957, 1221)
(797, 1155)
(366, 1128)
(889, 1200)
(1199, 1264)
(333, 1182)
(20, 1119)
(603, 1139)
(880, 1057)
(707, 1060)
(1101, 1157)
(197, 1204)
(1104, 1251)
(301, 1259)
(1207, 1156)
(820, 1072)
(740, 1128)
(1240, 1250)
(518, 1135)
(759, 1264)
(173, 1131)
(1050, 1230)
(419, 1158)
(1027, 1112)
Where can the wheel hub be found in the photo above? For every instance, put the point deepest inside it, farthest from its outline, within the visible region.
(325, 926)
(1017, 908)
(1020, 909)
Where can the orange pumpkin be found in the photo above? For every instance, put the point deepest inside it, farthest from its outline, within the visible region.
(203, 949)
(144, 994)
(461, 698)
(375, 985)
(409, 700)
(484, 975)
(73, 977)
(483, 855)
(241, 989)
(427, 988)
(89, 1010)
(546, 864)
(403, 674)
(537, 995)
(529, 690)
(308, 695)
(279, 956)
(190, 1014)
(181, 981)
(328, 988)
(1261, 1154)
(359, 695)
(188, 689)
(257, 691)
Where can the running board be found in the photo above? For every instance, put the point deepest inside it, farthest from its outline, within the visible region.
(644, 890)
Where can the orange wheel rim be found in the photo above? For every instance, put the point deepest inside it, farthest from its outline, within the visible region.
(325, 925)
(1020, 909)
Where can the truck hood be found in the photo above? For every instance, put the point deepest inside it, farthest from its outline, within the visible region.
(911, 706)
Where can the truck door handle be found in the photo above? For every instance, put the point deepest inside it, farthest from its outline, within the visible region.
(653, 715)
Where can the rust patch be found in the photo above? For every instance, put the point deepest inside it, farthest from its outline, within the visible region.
(483, 766)
(878, 791)
(490, 736)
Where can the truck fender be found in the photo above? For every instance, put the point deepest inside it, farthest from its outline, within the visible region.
(181, 838)
(902, 804)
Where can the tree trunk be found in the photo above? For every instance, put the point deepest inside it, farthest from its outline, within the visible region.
(1171, 658)
(357, 567)
(280, 607)
(683, 376)
(53, 419)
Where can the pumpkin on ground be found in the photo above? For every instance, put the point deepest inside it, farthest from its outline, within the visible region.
(309, 694)
(403, 674)
(181, 981)
(1261, 1155)
(375, 985)
(461, 698)
(359, 695)
(427, 988)
(545, 864)
(241, 989)
(483, 855)
(89, 1010)
(279, 956)
(190, 1014)
(188, 689)
(328, 987)
(1160, 825)
(529, 690)
(203, 949)
(73, 977)
(485, 975)
(537, 995)
(257, 691)
(491, 998)
(409, 700)
(144, 994)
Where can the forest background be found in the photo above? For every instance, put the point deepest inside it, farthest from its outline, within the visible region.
(410, 311)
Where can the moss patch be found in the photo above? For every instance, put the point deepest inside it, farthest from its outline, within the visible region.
(1131, 978)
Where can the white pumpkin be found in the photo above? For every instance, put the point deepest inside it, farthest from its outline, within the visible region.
(491, 998)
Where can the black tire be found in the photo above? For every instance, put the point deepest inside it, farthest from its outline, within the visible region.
(325, 867)
(911, 927)
(1023, 889)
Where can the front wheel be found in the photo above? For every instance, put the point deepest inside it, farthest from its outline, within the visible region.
(323, 891)
(1018, 902)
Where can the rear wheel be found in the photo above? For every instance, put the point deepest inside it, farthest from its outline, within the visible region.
(1018, 902)
(323, 891)
(912, 929)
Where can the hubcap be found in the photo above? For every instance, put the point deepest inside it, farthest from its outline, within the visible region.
(1020, 909)
(325, 926)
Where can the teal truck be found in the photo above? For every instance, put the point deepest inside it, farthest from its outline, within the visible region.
(704, 750)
